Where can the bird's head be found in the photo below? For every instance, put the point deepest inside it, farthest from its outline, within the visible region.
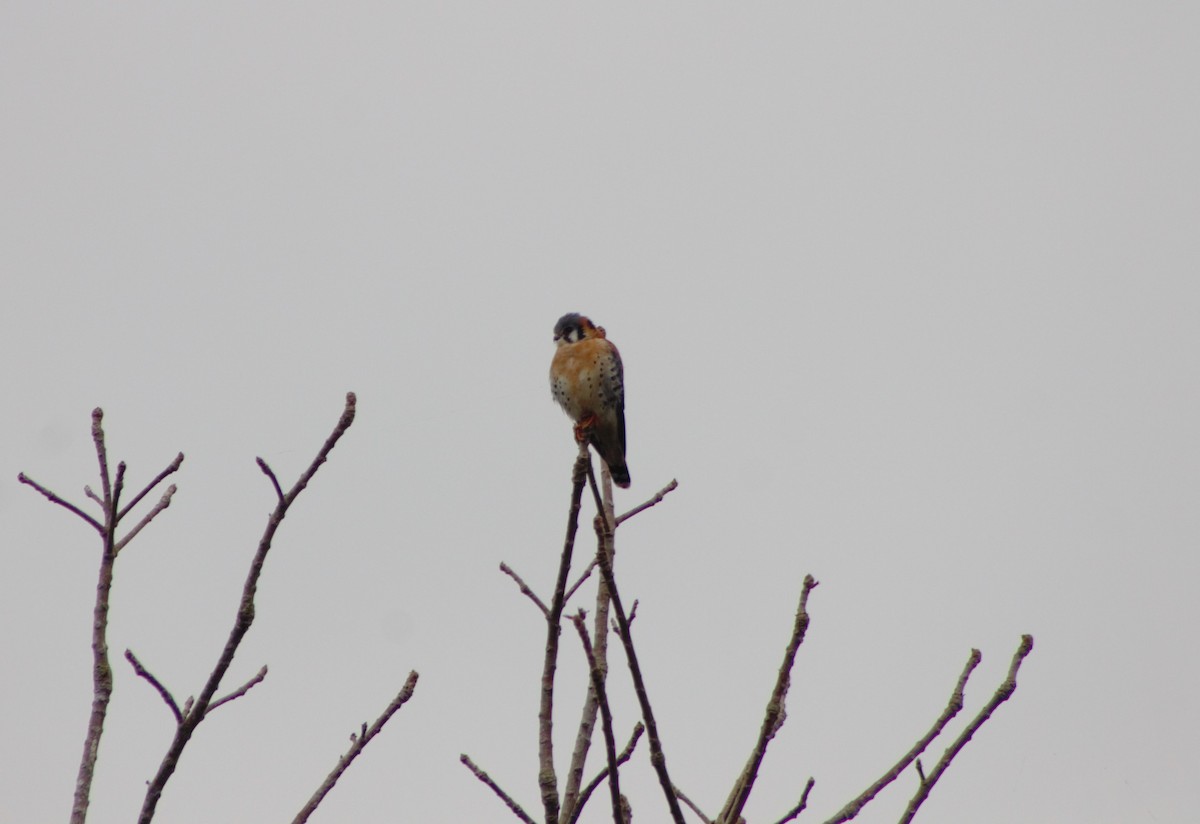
(574, 327)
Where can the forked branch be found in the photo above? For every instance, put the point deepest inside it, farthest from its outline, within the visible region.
(1002, 694)
(243, 618)
(953, 706)
(622, 757)
(102, 678)
(774, 717)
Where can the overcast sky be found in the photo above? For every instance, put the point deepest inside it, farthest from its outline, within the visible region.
(907, 297)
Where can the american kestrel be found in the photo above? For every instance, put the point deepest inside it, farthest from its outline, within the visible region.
(587, 380)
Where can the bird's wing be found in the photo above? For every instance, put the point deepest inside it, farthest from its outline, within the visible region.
(612, 384)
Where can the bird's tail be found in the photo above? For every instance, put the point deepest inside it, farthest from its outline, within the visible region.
(620, 475)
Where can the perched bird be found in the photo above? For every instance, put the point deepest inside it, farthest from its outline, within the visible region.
(588, 381)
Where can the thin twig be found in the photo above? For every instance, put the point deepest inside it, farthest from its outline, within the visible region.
(163, 503)
(525, 590)
(799, 808)
(657, 758)
(1002, 694)
(270, 473)
(587, 572)
(505, 797)
(242, 690)
(360, 743)
(658, 496)
(775, 714)
(87, 490)
(693, 806)
(622, 757)
(54, 499)
(610, 744)
(244, 618)
(547, 779)
(953, 707)
(172, 467)
(142, 672)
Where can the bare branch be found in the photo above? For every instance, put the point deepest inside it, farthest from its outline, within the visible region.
(953, 707)
(505, 797)
(142, 672)
(692, 806)
(172, 467)
(525, 590)
(243, 620)
(657, 758)
(610, 744)
(547, 779)
(775, 715)
(658, 496)
(163, 503)
(87, 490)
(1002, 694)
(54, 499)
(242, 690)
(799, 808)
(624, 756)
(360, 743)
(587, 571)
(572, 803)
(270, 473)
(101, 454)
(118, 486)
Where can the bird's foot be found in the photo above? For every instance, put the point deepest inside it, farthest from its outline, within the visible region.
(583, 427)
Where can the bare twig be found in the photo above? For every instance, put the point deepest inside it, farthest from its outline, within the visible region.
(624, 756)
(657, 758)
(360, 743)
(270, 473)
(102, 455)
(525, 590)
(242, 690)
(118, 485)
(67, 505)
(87, 490)
(163, 503)
(142, 672)
(610, 744)
(547, 779)
(774, 717)
(172, 467)
(505, 797)
(1002, 694)
(953, 707)
(587, 572)
(693, 806)
(242, 622)
(658, 496)
(799, 808)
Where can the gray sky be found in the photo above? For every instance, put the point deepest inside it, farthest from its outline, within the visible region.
(907, 297)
